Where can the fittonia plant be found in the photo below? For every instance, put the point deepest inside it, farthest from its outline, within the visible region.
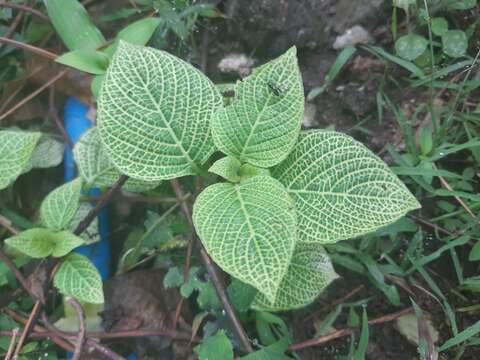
(284, 192)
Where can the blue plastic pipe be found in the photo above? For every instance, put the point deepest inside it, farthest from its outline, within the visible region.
(76, 124)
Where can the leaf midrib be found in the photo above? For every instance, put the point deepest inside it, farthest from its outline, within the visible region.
(167, 125)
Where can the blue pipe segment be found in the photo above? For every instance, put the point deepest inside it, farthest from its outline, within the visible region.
(76, 124)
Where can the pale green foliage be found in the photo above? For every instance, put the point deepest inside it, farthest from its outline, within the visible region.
(261, 124)
(91, 233)
(215, 347)
(73, 24)
(411, 46)
(455, 43)
(40, 243)
(35, 243)
(47, 153)
(95, 167)
(77, 277)
(310, 272)
(249, 229)
(228, 168)
(340, 188)
(65, 241)
(16, 148)
(154, 114)
(59, 207)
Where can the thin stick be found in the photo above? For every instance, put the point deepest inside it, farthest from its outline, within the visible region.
(40, 331)
(222, 295)
(83, 225)
(430, 224)
(104, 350)
(32, 95)
(7, 224)
(336, 302)
(27, 328)
(36, 50)
(18, 274)
(81, 333)
(11, 346)
(54, 115)
(447, 186)
(13, 26)
(188, 258)
(25, 8)
(344, 332)
(91, 343)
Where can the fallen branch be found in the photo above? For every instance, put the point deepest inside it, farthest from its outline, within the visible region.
(81, 331)
(25, 8)
(36, 50)
(33, 94)
(345, 332)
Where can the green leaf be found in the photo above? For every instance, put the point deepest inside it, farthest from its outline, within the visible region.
(73, 24)
(60, 206)
(92, 233)
(228, 168)
(16, 148)
(89, 61)
(241, 295)
(65, 241)
(154, 114)
(461, 336)
(310, 272)
(426, 140)
(340, 188)
(48, 153)
(215, 347)
(463, 4)
(77, 277)
(137, 33)
(39, 243)
(475, 252)
(361, 352)
(36, 243)
(95, 166)
(411, 46)
(342, 58)
(275, 351)
(261, 124)
(455, 43)
(249, 230)
(439, 26)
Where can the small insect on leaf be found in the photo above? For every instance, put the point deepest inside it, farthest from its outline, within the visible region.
(277, 89)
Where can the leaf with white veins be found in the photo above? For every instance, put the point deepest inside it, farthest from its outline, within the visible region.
(310, 272)
(340, 188)
(154, 114)
(16, 148)
(77, 277)
(261, 124)
(95, 166)
(249, 230)
(60, 206)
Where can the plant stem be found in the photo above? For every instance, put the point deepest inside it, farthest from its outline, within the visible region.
(208, 263)
(36, 50)
(25, 8)
(81, 331)
(104, 200)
